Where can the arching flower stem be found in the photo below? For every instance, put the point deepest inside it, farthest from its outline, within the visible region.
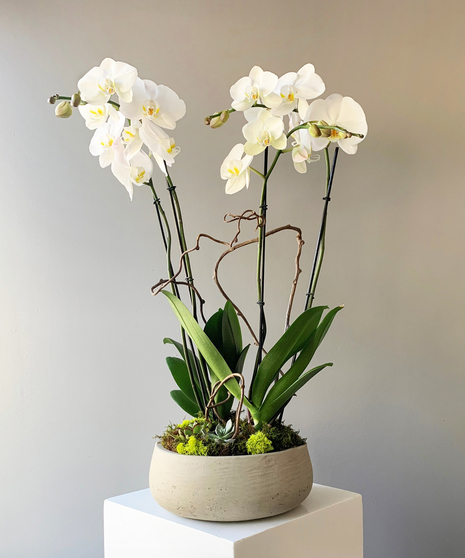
(166, 237)
(202, 372)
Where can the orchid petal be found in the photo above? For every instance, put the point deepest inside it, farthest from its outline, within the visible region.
(280, 142)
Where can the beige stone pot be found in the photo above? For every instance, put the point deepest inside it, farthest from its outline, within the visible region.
(234, 488)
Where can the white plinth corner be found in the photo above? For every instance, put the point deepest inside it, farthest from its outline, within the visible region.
(328, 524)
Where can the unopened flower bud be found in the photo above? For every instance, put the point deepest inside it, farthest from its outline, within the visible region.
(314, 130)
(216, 122)
(52, 100)
(325, 132)
(323, 123)
(341, 135)
(76, 99)
(63, 110)
(207, 121)
(224, 116)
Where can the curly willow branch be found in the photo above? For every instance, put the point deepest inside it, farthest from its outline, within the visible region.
(216, 388)
(248, 215)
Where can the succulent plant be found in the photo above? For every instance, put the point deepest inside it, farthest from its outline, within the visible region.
(190, 428)
(223, 434)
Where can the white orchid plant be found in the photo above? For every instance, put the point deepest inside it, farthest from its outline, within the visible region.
(132, 120)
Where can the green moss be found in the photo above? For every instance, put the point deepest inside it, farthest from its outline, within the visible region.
(258, 443)
(190, 422)
(281, 437)
(193, 447)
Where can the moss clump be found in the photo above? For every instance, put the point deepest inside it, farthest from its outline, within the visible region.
(191, 423)
(193, 447)
(283, 436)
(258, 443)
(190, 437)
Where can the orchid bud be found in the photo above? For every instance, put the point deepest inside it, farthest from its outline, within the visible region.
(314, 130)
(216, 122)
(224, 116)
(63, 110)
(207, 121)
(341, 135)
(76, 99)
(325, 132)
(52, 100)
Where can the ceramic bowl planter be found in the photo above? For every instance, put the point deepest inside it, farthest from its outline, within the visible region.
(235, 488)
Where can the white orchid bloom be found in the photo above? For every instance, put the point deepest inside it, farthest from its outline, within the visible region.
(263, 130)
(257, 86)
(301, 146)
(97, 115)
(137, 170)
(168, 145)
(156, 103)
(100, 83)
(236, 169)
(155, 139)
(295, 88)
(104, 138)
(131, 139)
(341, 111)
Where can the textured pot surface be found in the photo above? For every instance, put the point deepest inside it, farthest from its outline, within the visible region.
(235, 488)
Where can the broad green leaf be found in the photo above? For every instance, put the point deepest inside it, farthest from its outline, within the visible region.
(230, 312)
(178, 369)
(210, 353)
(241, 360)
(185, 403)
(271, 405)
(213, 328)
(305, 356)
(293, 341)
(192, 358)
(229, 351)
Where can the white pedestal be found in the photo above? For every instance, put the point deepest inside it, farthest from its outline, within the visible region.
(329, 524)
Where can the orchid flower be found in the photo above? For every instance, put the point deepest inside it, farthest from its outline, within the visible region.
(262, 130)
(236, 169)
(337, 110)
(131, 139)
(137, 170)
(97, 115)
(170, 147)
(155, 139)
(258, 85)
(104, 138)
(301, 146)
(100, 83)
(295, 88)
(155, 103)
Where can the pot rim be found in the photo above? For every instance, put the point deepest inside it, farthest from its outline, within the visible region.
(161, 448)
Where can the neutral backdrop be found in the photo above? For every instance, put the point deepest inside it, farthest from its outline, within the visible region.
(83, 384)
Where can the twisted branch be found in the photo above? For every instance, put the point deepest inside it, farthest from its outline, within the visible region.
(216, 388)
(248, 215)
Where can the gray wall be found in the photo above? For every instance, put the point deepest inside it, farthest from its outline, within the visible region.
(83, 383)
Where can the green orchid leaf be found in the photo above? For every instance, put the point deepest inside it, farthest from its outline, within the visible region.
(210, 353)
(293, 341)
(234, 325)
(178, 369)
(229, 352)
(213, 328)
(273, 404)
(186, 404)
(241, 360)
(225, 409)
(192, 358)
(305, 356)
